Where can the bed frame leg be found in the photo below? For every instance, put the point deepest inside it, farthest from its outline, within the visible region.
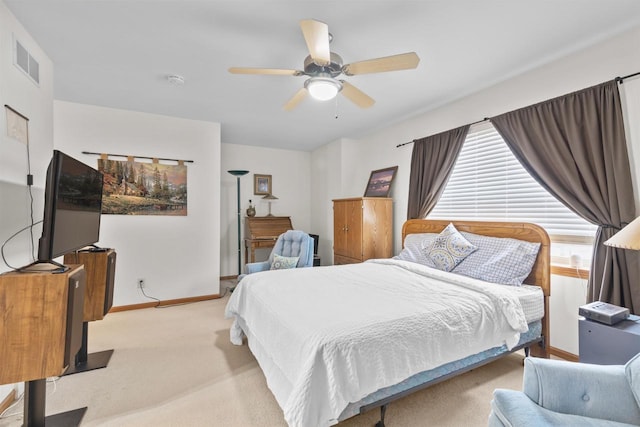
(383, 410)
(526, 351)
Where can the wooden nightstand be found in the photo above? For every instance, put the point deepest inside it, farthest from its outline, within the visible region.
(609, 344)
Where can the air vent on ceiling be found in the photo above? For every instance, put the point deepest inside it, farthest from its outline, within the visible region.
(24, 61)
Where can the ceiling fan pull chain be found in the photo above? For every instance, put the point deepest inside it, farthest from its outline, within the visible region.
(336, 98)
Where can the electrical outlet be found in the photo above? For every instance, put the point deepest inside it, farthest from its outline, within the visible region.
(141, 283)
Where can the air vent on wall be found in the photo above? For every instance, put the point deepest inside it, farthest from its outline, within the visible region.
(24, 61)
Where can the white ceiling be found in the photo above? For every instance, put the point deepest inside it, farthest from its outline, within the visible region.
(118, 53)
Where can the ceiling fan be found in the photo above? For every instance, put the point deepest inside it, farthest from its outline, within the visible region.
(323, 67)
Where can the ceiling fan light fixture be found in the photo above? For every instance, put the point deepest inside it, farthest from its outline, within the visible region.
(323, 88)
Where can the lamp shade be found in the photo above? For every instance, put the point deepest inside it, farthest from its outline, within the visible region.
(323, 88)
(628, 237)
(269, 198)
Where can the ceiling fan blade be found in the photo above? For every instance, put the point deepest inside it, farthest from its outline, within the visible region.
(356, 96)
(295, 100)
(403, 61)
(316, 34)
(269, 71)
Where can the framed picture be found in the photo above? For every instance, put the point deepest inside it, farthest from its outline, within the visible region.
(380, 181)
(261, 184)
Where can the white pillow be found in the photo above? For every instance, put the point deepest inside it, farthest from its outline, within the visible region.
(415, 247)
(449, 249)
(499, 260)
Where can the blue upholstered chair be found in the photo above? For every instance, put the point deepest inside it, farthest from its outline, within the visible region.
(560, 393)
(291, 243)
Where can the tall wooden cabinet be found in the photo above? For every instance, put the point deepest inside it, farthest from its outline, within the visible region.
(362, 229)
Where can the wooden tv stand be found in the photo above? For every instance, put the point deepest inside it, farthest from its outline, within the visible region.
(40, 332)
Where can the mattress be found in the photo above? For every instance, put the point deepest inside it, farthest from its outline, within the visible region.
(531, 299)
(418, 380)
(310, 329)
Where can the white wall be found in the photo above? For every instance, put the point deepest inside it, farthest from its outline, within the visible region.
(177, 256)
(567, 294)
(290, 173)
(35, 102)
(618, 56)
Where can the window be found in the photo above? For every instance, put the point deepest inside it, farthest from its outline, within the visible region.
(488, 183)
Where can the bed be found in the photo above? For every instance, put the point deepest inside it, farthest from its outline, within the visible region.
(337, 341)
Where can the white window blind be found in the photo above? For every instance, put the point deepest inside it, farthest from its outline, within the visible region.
(489, 184)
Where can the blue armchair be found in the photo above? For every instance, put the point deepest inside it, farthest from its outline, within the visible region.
(560, 393)
(291, 243)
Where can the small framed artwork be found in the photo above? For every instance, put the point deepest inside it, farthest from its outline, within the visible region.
(380, 181)
(261, 184)
(17, 125)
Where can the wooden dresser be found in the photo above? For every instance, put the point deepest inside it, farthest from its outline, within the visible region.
(362, 229)
(262, 232)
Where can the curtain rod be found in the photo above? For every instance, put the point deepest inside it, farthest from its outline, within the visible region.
(137, 157)
(622, 79)
(470, 124)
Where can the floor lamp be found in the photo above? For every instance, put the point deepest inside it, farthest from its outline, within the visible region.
(238, 174)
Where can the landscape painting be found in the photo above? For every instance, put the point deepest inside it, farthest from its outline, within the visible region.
(136, 188)
(380, 181)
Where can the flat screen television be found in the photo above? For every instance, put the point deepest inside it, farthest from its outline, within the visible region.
(72, 207)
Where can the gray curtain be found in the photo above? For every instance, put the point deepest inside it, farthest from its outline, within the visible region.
(575, 147)
(432, 162)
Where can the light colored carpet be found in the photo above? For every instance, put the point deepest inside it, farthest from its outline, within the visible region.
(176, 367)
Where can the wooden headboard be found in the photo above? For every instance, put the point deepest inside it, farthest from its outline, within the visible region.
(540, 272)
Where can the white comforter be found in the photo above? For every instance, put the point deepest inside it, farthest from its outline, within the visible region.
(337, 334)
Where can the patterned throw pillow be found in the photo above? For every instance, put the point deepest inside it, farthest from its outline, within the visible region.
(283, 262)
(449, 249)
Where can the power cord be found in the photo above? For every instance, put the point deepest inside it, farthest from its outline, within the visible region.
(53, 380)
(227, 289)
(4, 413)
(158, 305)
(4, 259)
(586, 290)
(150, 297)
(29, 185)
(32, 224)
